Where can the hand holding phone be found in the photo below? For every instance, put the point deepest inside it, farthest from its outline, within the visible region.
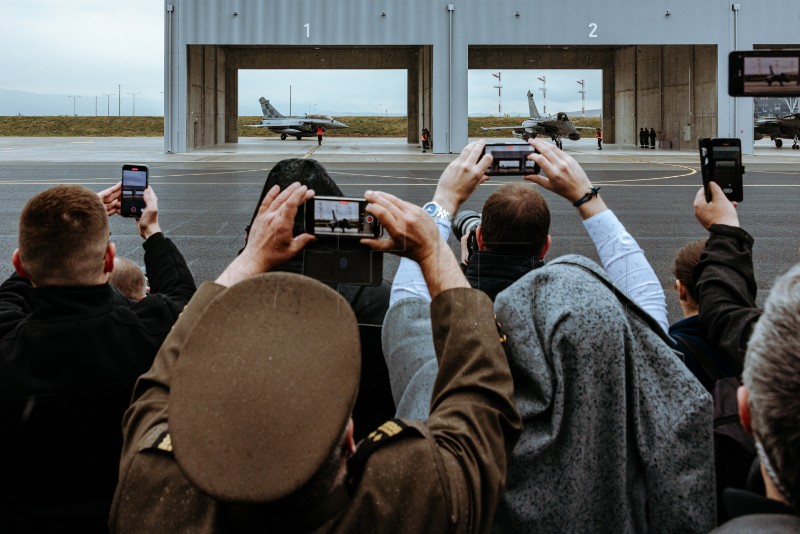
(719, 210)
(510, 159)
(338, 256)
(721, 162)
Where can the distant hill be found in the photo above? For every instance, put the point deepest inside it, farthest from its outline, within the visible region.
(39, 126)
(25, 103)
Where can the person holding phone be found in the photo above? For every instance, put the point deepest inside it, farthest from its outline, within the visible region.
(244, 422)
(72, 349)
(726, 284)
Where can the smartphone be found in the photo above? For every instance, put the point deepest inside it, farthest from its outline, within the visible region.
(134, 182)
(510, 159)
(764, 73)
(721, 162)
(340, 217)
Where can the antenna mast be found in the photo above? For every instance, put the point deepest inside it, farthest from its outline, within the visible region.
(499, 88)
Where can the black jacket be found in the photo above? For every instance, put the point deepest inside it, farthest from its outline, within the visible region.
(69, 357)
(726, 289)
(492, 272)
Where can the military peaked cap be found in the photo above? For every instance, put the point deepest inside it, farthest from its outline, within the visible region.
(264, 387)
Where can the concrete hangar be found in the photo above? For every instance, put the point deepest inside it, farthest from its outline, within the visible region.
(664, 62)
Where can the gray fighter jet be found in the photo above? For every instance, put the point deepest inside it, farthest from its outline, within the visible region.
(555, 127)
(298, 127)
(787, 127)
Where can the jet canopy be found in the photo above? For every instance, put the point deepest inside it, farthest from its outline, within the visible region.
(562, 116)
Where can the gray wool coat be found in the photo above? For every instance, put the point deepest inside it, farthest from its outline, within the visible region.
(617, 432)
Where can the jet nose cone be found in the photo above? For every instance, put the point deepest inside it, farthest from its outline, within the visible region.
(340, 124)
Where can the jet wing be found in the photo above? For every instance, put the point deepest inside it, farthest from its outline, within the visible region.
(536, 129)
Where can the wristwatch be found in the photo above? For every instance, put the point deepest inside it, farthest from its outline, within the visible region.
(437, 212)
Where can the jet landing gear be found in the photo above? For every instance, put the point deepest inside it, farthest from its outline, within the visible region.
(283, 137)
(795, 146)
(559, 144)
(778, 142)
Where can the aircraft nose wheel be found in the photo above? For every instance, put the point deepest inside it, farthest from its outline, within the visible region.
(283, 137)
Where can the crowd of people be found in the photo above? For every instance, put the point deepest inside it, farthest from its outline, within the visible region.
(498, 391)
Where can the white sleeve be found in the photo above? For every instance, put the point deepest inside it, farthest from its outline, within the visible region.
(408, 281)
(626, 264)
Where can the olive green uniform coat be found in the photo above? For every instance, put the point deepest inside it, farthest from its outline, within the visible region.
(445, 475)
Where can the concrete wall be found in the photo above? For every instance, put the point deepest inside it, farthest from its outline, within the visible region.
(420, 94)
(661, 86)
(672, 89)
(205, 118)
(625, 101)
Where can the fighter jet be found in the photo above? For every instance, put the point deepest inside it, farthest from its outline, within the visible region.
(787, 127)
(556, 127)
(298, 127)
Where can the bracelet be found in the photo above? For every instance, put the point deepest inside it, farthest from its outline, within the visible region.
(587, 197)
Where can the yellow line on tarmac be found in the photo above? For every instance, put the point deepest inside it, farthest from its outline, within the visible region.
(311, 151)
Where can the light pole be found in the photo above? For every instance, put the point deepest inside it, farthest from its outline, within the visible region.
(134, 101)
(74, 99)
(583, 97)
(108, 102)
(499, 88)
(543, 79)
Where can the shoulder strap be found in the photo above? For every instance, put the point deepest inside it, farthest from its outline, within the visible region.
(386, 433)
(626, 301)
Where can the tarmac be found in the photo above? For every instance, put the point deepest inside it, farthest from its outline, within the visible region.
(333, 150)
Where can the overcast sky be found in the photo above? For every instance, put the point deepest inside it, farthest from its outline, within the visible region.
(86, 48)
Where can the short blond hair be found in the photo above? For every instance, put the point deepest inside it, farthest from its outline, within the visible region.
(129, 279)
(63, 236)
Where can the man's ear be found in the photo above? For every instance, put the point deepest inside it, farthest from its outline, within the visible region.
(545, 248)
(108, 259)
(743, 401)
(349, 440)
(682, 292)
(16, 261)
(479, 238)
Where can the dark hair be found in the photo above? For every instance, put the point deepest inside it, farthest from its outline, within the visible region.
(686, 259)
(63, 235)
(515, 220)
(307, 172)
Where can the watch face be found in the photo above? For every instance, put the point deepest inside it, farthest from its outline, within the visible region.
(430, 209)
